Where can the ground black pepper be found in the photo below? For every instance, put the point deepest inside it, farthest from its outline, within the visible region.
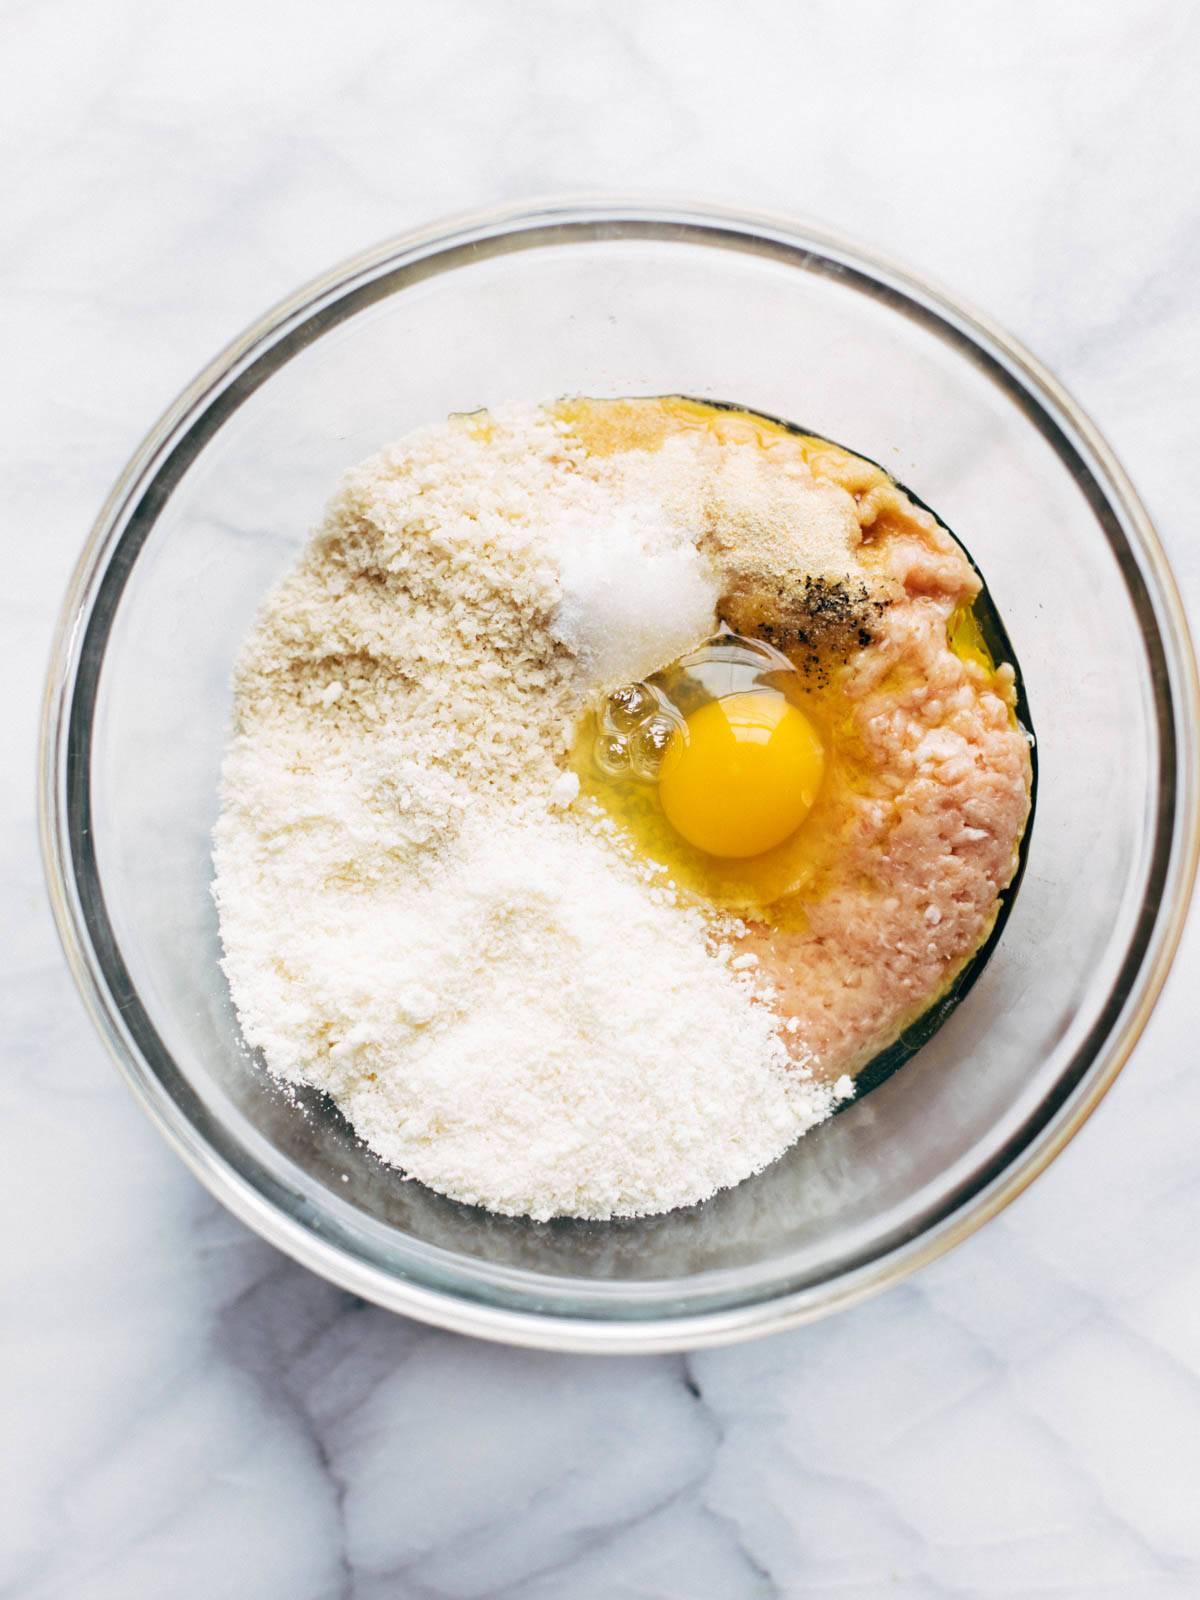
(815, 623)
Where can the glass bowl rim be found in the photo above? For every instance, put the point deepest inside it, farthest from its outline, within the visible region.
(64, 774)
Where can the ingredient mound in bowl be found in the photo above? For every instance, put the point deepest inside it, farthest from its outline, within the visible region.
(611, 781)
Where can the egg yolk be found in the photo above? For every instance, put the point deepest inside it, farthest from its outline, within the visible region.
(742, 775)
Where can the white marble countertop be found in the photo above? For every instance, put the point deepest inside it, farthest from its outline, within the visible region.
(187, 1413)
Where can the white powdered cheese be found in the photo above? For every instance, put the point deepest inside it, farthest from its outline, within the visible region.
(530, 1026)
(419, 915)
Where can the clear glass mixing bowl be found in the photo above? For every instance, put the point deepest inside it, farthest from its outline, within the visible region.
(624, 299)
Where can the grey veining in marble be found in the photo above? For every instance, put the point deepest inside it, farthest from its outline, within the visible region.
(185, 1412)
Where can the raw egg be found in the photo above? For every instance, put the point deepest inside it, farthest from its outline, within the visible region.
(710, 767)
(741, 774)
